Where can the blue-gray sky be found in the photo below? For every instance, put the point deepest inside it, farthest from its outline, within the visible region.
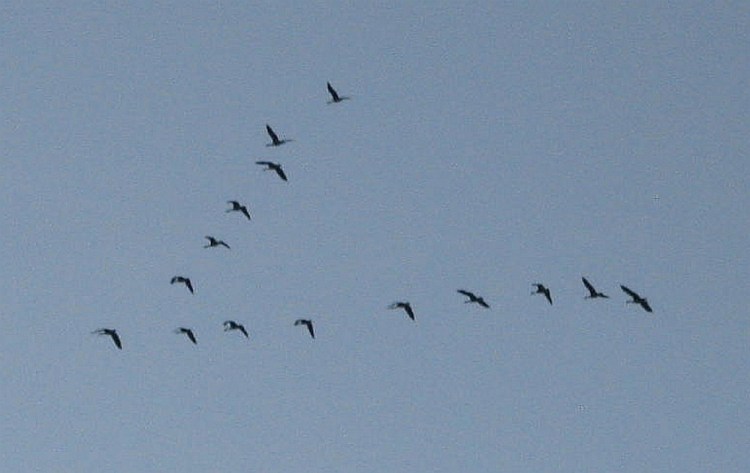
(487, 146)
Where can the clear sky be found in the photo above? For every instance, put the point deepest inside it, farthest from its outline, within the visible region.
(487, 146)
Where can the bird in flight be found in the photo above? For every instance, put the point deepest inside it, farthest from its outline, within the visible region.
(473, 298)
(187, 332)
(112, 333)
(541, 289)
(183, 280)
(335, 98)
(403, 305)
(273, 167)
(213, 242)
(593, 293)
(232, 325)
(636, 299)
(275, 141)
(308, 323)
(237, 207)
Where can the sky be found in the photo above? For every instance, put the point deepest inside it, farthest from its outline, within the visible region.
(486, 146)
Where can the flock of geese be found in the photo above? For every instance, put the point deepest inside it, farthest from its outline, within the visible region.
(231, 325)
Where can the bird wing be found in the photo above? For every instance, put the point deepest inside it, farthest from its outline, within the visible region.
(468, 294)
(264, 163)
(189, 285)
(332, 92)
(245, 212)
(588, 285)
(629, 292)
(241, 328)
(173, 280)
(223, 243)
(191, 336)
(644, 304)
(116, 339)
(272, 134)
(483, 304)
(409, 311)
(548, 295)
(280, 172)
(310, 328)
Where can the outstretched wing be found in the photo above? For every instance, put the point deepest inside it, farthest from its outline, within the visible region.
(280, 172)
(310, 328)
(191, 336)
(629, 292)
(272, 134)
(333, 93)
(264, 163)
(245, 212)
(409, 311)
(241, 328)
(116, 339)
(548, 296)
(189, 285)
(588, 285)
(644, 304)
(468, 294)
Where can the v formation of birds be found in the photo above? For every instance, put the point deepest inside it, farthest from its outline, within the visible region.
(236, 206)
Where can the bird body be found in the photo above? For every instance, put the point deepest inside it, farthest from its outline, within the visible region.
(213, 243)
(308, 323)
(275, 141)
(636, 299)
(473, 298)
(593, 293)
(183, 280)
(270, 166)
(542, 289)
(403, 305)
(187, 332)
(232, 325)
(335, 98)
(237, 207)
(111, 333)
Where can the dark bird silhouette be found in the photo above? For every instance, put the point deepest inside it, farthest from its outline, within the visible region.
(213, 242)
(308, 323)
(275, 141)
(232, 325)
(273, 167)
(112, 333)
(335, 98)
(593, 293)
(473, 298)
(403, 305)
(636, 299)
(187, 332)
(541, 289)
(237, 207)
(184, 280)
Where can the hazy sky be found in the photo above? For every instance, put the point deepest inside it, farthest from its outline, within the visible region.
(487, 146)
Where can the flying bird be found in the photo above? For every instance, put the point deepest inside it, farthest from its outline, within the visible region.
(636, 299)
(237, 207)
(213, 242)
(187, 332)
(403, 305)
(473, 298)
(335, 98)
(232, 325)
(184, 280)
(273, 167)
(112, 333)
(308, 323)
(541, 289)
(275, 141)
(593, 293)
